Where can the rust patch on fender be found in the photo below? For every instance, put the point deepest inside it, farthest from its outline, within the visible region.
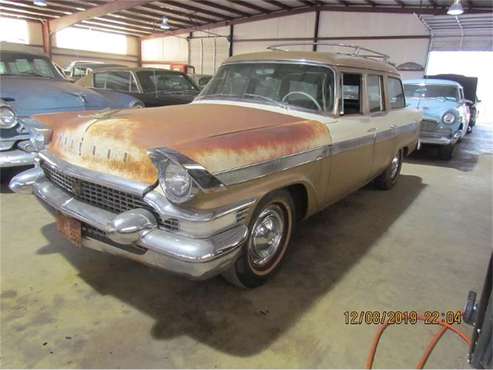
(246, 148)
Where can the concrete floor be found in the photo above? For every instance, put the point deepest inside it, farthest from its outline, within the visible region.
(420, 246)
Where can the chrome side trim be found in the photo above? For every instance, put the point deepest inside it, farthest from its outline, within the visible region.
(256, 171)
(385, 135)
(99, 178)
(346, 145)
(406, 129)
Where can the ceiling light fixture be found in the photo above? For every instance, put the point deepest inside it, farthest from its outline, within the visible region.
(456, 8)
(40, 2)
(164, 24)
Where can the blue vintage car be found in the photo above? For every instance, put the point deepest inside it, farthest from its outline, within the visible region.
(445, 112)
(29, 85)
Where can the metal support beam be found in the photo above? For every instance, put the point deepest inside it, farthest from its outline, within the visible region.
(315, 33)
(231, 38)
(46, 38)
(139, 52)
(96, 11)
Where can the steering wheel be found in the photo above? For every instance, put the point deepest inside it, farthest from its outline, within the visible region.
(304, 94)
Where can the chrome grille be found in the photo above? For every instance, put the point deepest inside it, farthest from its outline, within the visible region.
(97, 195)
(171, 224)
(428, 125)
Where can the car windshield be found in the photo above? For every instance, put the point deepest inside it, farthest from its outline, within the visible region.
(27, 65)
(431, 91)
(165, 81)
(299, 86)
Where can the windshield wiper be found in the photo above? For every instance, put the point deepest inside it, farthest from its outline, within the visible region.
(268, 99)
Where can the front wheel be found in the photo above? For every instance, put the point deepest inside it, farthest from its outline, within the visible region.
(389, 177)
(270, 231)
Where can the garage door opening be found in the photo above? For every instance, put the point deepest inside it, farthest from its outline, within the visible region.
(468, 63)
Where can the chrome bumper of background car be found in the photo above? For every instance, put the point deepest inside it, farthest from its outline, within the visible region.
(15, 158)
(438, 139)
(192, 257)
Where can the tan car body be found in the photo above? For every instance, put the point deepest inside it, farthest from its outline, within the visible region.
(249, 149)
(225, 137)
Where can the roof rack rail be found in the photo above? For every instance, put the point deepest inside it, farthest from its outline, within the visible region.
(355, 50)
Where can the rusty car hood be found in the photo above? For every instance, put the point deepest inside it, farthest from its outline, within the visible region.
(218, 136)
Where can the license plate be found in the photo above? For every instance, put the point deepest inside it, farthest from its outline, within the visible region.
(70, 228)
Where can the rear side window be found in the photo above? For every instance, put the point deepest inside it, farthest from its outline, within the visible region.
(119, 81)
(396, 93)
(100, 80)
(375, 93)
(351, 93)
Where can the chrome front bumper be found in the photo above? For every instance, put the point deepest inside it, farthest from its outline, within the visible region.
(15, 158)
(430, 138)
(195, 258)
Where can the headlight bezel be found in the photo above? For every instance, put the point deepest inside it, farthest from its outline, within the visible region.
(15, 120)
(200, 179)
(448, 121)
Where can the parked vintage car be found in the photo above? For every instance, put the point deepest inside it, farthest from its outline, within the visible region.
(215, 187)
(30, 84)
(445, 112)
(154, 86)
(80, 68)
(470, 86)
(201, 80)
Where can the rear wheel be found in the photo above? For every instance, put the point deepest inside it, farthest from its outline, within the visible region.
(389, 177)
(270, 231)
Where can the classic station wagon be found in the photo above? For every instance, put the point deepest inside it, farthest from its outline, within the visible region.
(215, 187)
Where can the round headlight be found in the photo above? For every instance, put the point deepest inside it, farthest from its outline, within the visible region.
(177, 183)
(449, 118)
(8, 119)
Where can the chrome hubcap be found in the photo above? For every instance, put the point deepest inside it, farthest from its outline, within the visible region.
(394, 167)
(266, 235)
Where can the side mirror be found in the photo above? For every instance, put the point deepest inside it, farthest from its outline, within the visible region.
(470, 102)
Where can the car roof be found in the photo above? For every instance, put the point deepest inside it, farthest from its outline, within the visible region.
(133, 69)
(328, 58)
(8, 47)
(430, 81)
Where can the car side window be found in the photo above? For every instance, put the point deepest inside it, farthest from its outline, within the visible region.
(119, 81)
(100, 80)
(396, 93)
(351, 93)
(374, 84)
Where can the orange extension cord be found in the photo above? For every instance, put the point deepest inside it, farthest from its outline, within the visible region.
(429, 349)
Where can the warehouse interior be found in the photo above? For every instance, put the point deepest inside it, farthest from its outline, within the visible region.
(420, 247)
